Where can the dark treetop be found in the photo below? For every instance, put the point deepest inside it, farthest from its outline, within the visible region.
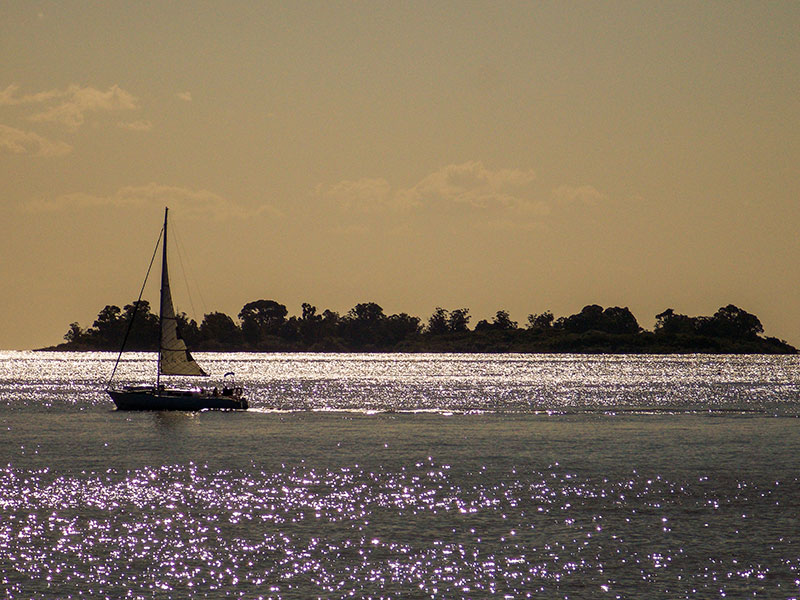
(264, 326)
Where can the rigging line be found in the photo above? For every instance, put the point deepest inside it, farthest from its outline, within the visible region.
(135, 309)
(186, 271)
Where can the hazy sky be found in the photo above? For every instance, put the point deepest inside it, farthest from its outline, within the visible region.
(492, 155)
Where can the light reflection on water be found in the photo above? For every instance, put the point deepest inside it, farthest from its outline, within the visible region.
(442, 492)
(420, 530)
(448, 382)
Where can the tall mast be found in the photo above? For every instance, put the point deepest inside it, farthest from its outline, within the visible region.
(164, 285)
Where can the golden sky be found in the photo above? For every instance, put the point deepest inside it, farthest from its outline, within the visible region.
(523, 156)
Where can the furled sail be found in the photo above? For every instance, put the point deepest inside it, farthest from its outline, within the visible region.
(174, 358)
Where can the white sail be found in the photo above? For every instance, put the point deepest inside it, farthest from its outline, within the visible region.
(174, 358)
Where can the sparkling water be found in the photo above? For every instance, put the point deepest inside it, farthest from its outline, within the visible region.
(405, 476)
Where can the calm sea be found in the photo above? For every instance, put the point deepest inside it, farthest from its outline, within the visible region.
(406, 476)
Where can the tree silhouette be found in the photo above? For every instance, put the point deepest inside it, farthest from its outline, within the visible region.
(309, 325)
(75, 333)
(458, 320)
(734, 323)
(144, 333)
(540, 322)
(619, 320)
(260, 319)
(501, 322)
(614, 320)
(363, 325)
(219, 330)
(671, 323)
(438, 322)
(590, 317)
(107, 330)
(401, 327)
(365, 328)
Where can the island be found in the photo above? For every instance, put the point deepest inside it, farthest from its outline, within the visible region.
(265, 326)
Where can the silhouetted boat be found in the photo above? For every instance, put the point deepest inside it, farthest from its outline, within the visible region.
(174, 358)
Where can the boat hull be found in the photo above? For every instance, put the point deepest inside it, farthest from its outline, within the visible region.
(151, 399)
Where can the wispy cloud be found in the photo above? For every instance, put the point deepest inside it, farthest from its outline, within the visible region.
(363, 195)
(185, 96)
(18, 141)
(7, 96)
(581, 194)
(470, 193)
(136, 125)
(70, 106)
(472, 184)
(469, 186)
(191, 203)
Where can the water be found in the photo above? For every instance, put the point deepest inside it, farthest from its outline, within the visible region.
(406, 476)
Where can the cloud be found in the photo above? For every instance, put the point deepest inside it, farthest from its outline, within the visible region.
(190, 202)
(582, 194)
(17, 141)
(136, 125)
(472, 184)
(502, 225)
(363, 195)
(503, 199)
(70, 106)
(185, 96)
(468, 186)
(7, 95)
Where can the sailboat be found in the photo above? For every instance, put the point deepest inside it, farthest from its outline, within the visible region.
(174, 358)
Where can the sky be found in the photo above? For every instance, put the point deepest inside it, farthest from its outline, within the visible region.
(523, 156)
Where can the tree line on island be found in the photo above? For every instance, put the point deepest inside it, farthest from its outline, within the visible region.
(265, 326)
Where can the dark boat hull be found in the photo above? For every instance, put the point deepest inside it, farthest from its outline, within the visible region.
(175, 400)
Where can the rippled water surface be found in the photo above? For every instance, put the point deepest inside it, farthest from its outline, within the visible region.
(406, 476)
